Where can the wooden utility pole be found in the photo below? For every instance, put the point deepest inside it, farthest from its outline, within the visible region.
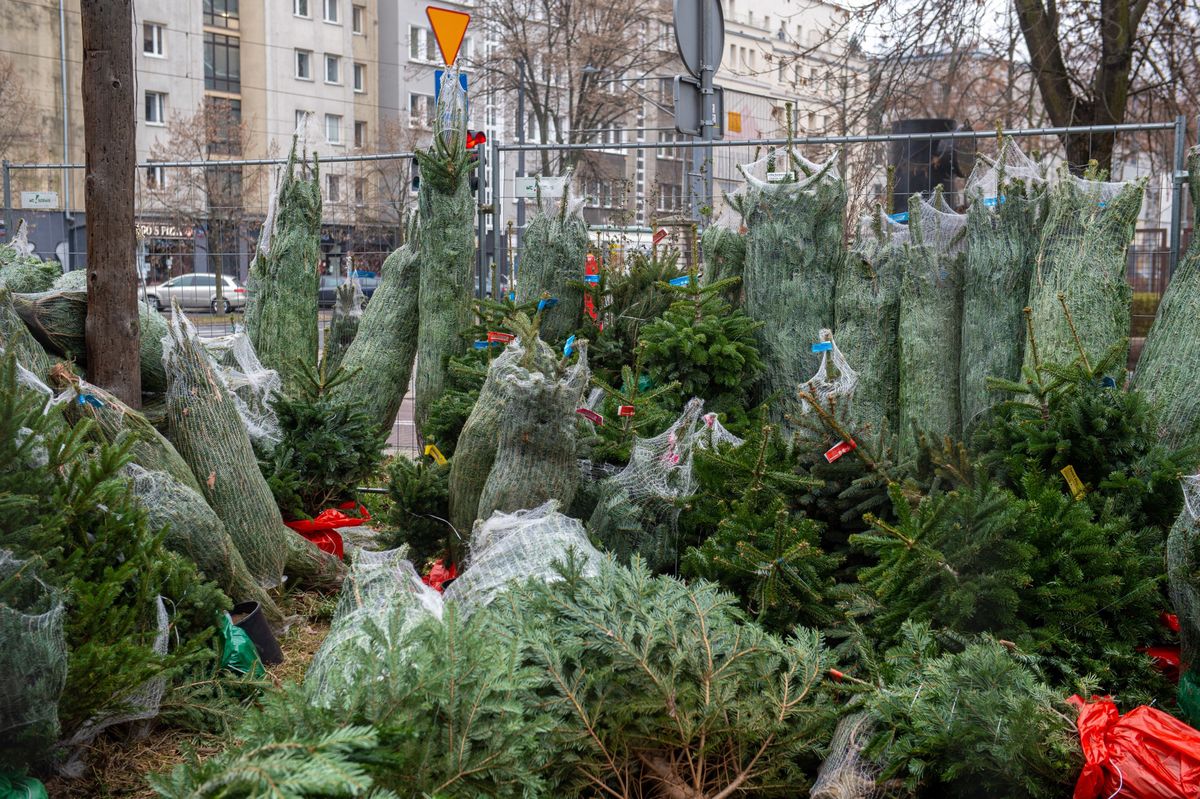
(108, 131)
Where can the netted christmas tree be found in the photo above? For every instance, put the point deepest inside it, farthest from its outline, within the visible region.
(867, 308)
(1167, 369)
(31, 643)
(379, 362)
(348, 301)
(15, 337)
(931, 322)
(446, 246)
(536, 444)
(114, 422)
(57, 319)
(20, 269)
(553, 250)
(794, 220)
(637, 509)
(281, 293)
(1081, 258)
(204, 426)
(476, 450)
(194, 531)
(511, 548)
(1004, 223)
(1183, 574)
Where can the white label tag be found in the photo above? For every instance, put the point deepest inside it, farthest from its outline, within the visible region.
(779, 177)
(527, 187)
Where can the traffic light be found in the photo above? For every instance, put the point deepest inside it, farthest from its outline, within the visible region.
(474, 137)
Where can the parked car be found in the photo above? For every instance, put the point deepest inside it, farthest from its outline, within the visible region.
(329, 284)
(197, 290)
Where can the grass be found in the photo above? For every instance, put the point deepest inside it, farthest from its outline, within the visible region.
(195, 716)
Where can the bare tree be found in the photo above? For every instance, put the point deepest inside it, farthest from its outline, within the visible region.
(387, 196)
(574, 60)
(213, 195)
(15, 102)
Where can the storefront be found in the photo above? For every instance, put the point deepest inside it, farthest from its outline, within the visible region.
(167, 250)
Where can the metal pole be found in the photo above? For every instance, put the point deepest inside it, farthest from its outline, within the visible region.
(499, 250)
(481, 221)
(8, 209)
(1177, 180)
(520, 153)
(708, 123)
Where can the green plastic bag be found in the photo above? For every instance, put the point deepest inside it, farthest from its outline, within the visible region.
(14, 787)
(237, 651)
(1189, 696)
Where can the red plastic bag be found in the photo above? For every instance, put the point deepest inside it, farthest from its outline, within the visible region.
(322, 530)
(439, 575)
(1145, 754)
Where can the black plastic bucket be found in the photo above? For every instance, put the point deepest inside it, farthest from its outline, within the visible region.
(256, 626)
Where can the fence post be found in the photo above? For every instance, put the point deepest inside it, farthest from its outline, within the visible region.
(1177, 181)
(498, 248)
(481, 222)
(8, 209)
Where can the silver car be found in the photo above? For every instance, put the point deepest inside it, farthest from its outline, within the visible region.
(197, 290)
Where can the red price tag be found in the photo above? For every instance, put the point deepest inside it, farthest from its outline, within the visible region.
(625, 410)
(502, 338)
(660, 234)
(839, 449)
(590, 415)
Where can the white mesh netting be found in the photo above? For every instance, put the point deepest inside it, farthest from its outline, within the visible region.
(509, 547)
(139, 705)
(251, 384)
(638, 508)
(845, 773)
(714, 435)
(33, 655)
(380, 588)
(990, 175)
(1183, 566)
(787, 171)
(834, 381)
(20, 242)
(300, 138)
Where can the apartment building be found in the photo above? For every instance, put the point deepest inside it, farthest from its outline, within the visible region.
(216, 80)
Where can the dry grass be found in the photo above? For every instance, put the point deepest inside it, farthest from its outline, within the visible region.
(121, 758)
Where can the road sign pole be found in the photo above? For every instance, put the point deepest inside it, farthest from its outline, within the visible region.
(708, 121)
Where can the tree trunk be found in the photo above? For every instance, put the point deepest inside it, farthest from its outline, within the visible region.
(108, 125)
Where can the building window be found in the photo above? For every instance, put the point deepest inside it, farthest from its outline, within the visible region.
(300, 9)
(152, 39)
(358, 15)
(304, 64)
(333, 69)
(333, 129)
(333, 187)
(301, 118)
(225, 125)
(156, 177)
(331, 11)
(360, 134)
(666, 149)
(360, 191)
(222, 63)
(360, 77)
(670, 197)
(420, 110)
(221, 13)
(420, 44)
(156, 108)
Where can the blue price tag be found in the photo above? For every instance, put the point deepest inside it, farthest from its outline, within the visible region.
(900, 217)
(569, 347)
(549, 302)
(822, 346)
(591, 278)
(682, 280)
(1108, 382)
(992, 202)
(90, 399)
(480, 345)
(512, 296)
